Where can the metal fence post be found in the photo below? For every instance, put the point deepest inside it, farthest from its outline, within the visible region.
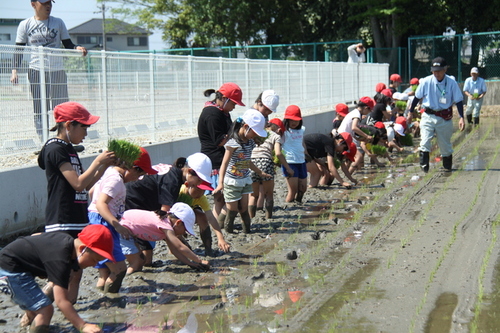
(152, 93)
(104, 73)
(190, 87)
(43, 95)
(247, 78)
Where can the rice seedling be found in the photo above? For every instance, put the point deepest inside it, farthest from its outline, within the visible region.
(125, 151)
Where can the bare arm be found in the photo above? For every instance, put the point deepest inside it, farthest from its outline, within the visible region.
(335, 173)
(358, 130)
(223, 245)
(282, 159)
(102, 205)
(181, 251)
(91, 175)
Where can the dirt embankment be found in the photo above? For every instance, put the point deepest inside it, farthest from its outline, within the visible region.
(402, 252)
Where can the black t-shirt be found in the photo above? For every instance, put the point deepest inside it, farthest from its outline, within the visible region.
(66, 208)
(213, 125)
(319, 145)
(377, 113)
(151, 192)
(47, 255)
(336, 123)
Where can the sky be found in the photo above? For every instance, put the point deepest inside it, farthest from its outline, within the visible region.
(72, 12)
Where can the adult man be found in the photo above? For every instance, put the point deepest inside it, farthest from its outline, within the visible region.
(475, 89)
(438, 93)
(356, 53)
(47, 31)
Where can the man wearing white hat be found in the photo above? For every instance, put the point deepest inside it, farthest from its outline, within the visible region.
(474, 89)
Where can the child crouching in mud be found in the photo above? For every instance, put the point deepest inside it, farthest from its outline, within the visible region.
(53, 255)
(158, 225)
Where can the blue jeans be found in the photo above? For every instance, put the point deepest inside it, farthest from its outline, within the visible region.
(23, 290)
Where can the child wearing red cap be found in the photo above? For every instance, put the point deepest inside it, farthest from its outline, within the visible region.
(341, 111)
(106, 208)
(213, 125)
(52, 255)
(295, 154)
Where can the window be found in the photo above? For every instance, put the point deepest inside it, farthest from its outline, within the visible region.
(137, 41)
(109, 39)
(4, 37)
(89, 40)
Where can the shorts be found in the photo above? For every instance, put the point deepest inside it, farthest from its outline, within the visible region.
(299, 170)
(96, 218)
(264, 164)
(145, 245)
(23, 290)
(234, 193)
(128, 246)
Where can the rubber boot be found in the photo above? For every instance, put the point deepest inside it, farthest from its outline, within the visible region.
(221, 219)
(424, 161)
(229, 223)
(269, 209)
(476, 120)
(447, 162)
(115, 286)
(40, 329)
(469, 118)
(252, 210)
(299, 196)
(206, 238)
(247, 221)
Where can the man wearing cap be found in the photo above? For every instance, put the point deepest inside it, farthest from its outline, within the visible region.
(47, 31)
(438, 93)
(475, 89)
(395, 82)
(356, 53)
(53, 256)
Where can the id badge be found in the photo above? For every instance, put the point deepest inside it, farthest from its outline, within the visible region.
(442, 100)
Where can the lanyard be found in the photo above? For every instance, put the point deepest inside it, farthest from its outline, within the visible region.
(443, 92)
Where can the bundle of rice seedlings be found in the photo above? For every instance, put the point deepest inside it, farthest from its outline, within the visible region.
(406, 140)
(410, 159)
(126, 151)
(336, 162)
(401, 105)
(378, 150)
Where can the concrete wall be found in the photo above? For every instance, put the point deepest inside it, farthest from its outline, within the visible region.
(24, 189)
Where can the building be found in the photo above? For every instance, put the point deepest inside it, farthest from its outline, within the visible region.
(8, 30)
(120, 36)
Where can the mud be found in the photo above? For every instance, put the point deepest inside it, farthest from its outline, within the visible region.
(403, 251)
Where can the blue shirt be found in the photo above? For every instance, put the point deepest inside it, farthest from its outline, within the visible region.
(438, 95)
(470, 85)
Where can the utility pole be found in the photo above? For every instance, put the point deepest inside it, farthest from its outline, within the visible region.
(103, 10)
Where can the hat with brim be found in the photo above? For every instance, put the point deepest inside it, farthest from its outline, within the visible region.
(98, 238)
(72, 111)
(202, 165)
(233, 92)
(342, 109)
(206, 186)
(144, 162)
(256, 121)
(186, 214)
(438, 64)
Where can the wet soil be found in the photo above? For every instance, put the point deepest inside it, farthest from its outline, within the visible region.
(402, 251)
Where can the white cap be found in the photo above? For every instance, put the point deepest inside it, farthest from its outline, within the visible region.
(184, 213)
(474, 70)
(202, 165)
(404, 97)
(396, 95)
(270, 99)
(256, 121)
(399, 129)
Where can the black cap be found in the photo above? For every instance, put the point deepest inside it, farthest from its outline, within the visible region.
(438, 64)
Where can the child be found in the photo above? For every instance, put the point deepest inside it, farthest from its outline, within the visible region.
(160, 191)
(294, 149)
(106, 208)
(234, 174)
(158, 225)
(341, 110)
(67, 183)
(52, 255)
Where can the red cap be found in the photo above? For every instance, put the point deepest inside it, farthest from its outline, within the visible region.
(402, 121)
(278, 122)
(414, 81)
(233, 92)
(386, 92)
(99, 239)
(368, 101)
(72, 111)
(292, 112)
(144, 162)
(351, 153)
(380, 86)
(396, 77)
(342, 109)
(379, 124)
(347, 138)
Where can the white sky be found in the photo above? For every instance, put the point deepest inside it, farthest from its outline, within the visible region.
(72, 12)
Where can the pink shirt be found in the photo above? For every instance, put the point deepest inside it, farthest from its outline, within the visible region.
(145, 224)
(111, 184)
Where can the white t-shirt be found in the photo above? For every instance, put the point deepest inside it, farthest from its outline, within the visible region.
(111, 184)
(293, 147)
(47, 33)
(346, 125)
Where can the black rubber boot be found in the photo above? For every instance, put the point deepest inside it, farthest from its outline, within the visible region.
(115, 286)
(221, 219)
(229, 223)
(424, 161)
(206, 238)
(252, 210)
(476, 120)
(447, 162)
(469, 119)
(269, 209)
(247, 221)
